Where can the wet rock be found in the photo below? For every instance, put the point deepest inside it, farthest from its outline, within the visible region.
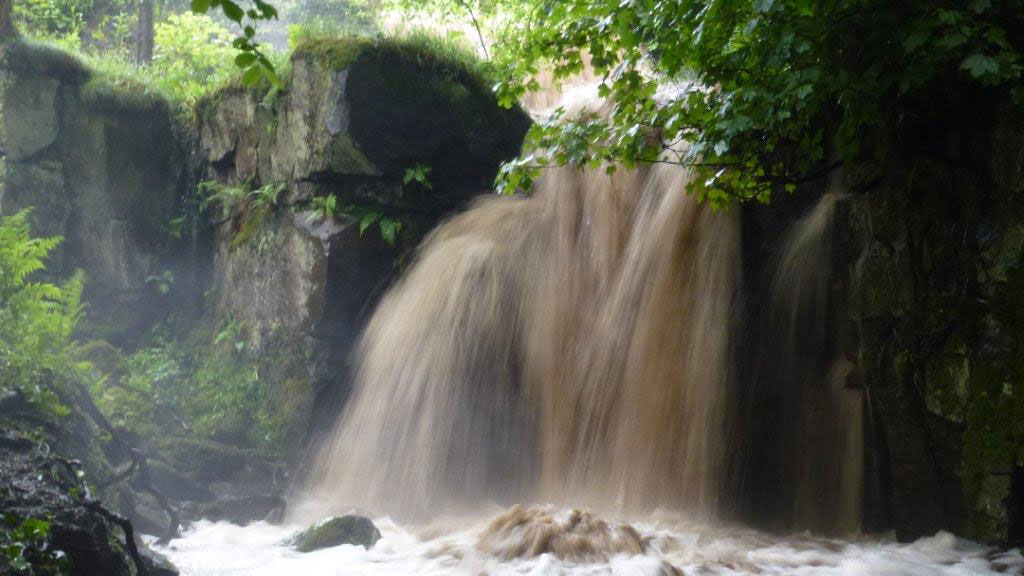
(103, 167)
(884, 290)
(947, 379)
(35, 484)
(355, 530)
(244, 510)
(356, 115)
(156, 563)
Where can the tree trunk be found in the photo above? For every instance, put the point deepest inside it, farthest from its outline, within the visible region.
(144, 34)
(6, 26)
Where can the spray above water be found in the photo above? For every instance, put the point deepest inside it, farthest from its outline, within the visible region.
(574, 346)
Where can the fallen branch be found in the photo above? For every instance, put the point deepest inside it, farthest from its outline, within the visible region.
(129, 534)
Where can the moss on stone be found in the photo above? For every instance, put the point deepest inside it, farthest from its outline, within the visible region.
(121, 95)
(338, 53)
(947, 377)
(23, 56)
(354, 530)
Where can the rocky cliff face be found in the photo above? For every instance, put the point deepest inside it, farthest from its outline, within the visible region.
(929, 306)
(925, 304)
(102, 166)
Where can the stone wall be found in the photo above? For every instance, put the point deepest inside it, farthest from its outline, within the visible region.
(102, 166)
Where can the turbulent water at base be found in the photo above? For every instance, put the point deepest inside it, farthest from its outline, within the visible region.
(656, 547)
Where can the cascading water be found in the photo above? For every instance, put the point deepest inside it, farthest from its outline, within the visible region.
(576, 347)
(581, 348)
(809, 471)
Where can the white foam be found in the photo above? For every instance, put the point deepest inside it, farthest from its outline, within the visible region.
(222, 549)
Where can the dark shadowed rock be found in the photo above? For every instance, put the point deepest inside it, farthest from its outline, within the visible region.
(205, 460)
(355, 530)
(245, 509)
(34, 484)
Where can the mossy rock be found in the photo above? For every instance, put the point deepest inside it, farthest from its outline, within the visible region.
(351, 529)
(28, 57)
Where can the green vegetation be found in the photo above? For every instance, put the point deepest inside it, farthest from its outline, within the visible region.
(37, 318)
(420, 174)
(25, 548)
(249, 206)
(389, 227)
(191, 53)
(323, 207)
(199, 385)
(333, 17)
(326, 207)
(771, 92)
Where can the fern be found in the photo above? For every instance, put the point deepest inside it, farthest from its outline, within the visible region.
(389, 227)
(323, 208)
(228, 198)
(37, 319)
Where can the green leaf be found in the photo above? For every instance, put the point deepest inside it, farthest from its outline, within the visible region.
(232, 11)
(368, 219)
(389, 229)
(979, 65)
(201, 6)
(245, 60)
(252, 76)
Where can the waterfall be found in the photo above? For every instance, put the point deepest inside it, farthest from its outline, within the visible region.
(802, 428)
(576, 346)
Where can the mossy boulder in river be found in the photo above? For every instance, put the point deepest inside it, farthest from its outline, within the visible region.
(356, 530)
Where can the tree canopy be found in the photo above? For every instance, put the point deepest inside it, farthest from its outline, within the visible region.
(766, 93)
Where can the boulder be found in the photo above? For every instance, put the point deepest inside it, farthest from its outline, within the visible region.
(156, 563)
(177, 486)
(355, 530)
(352, 117)
(205, 460)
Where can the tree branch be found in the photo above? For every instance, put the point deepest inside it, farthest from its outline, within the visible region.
(129, 534)
(476, 24)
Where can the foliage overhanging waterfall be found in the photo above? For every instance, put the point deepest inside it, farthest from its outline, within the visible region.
(578, 346)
